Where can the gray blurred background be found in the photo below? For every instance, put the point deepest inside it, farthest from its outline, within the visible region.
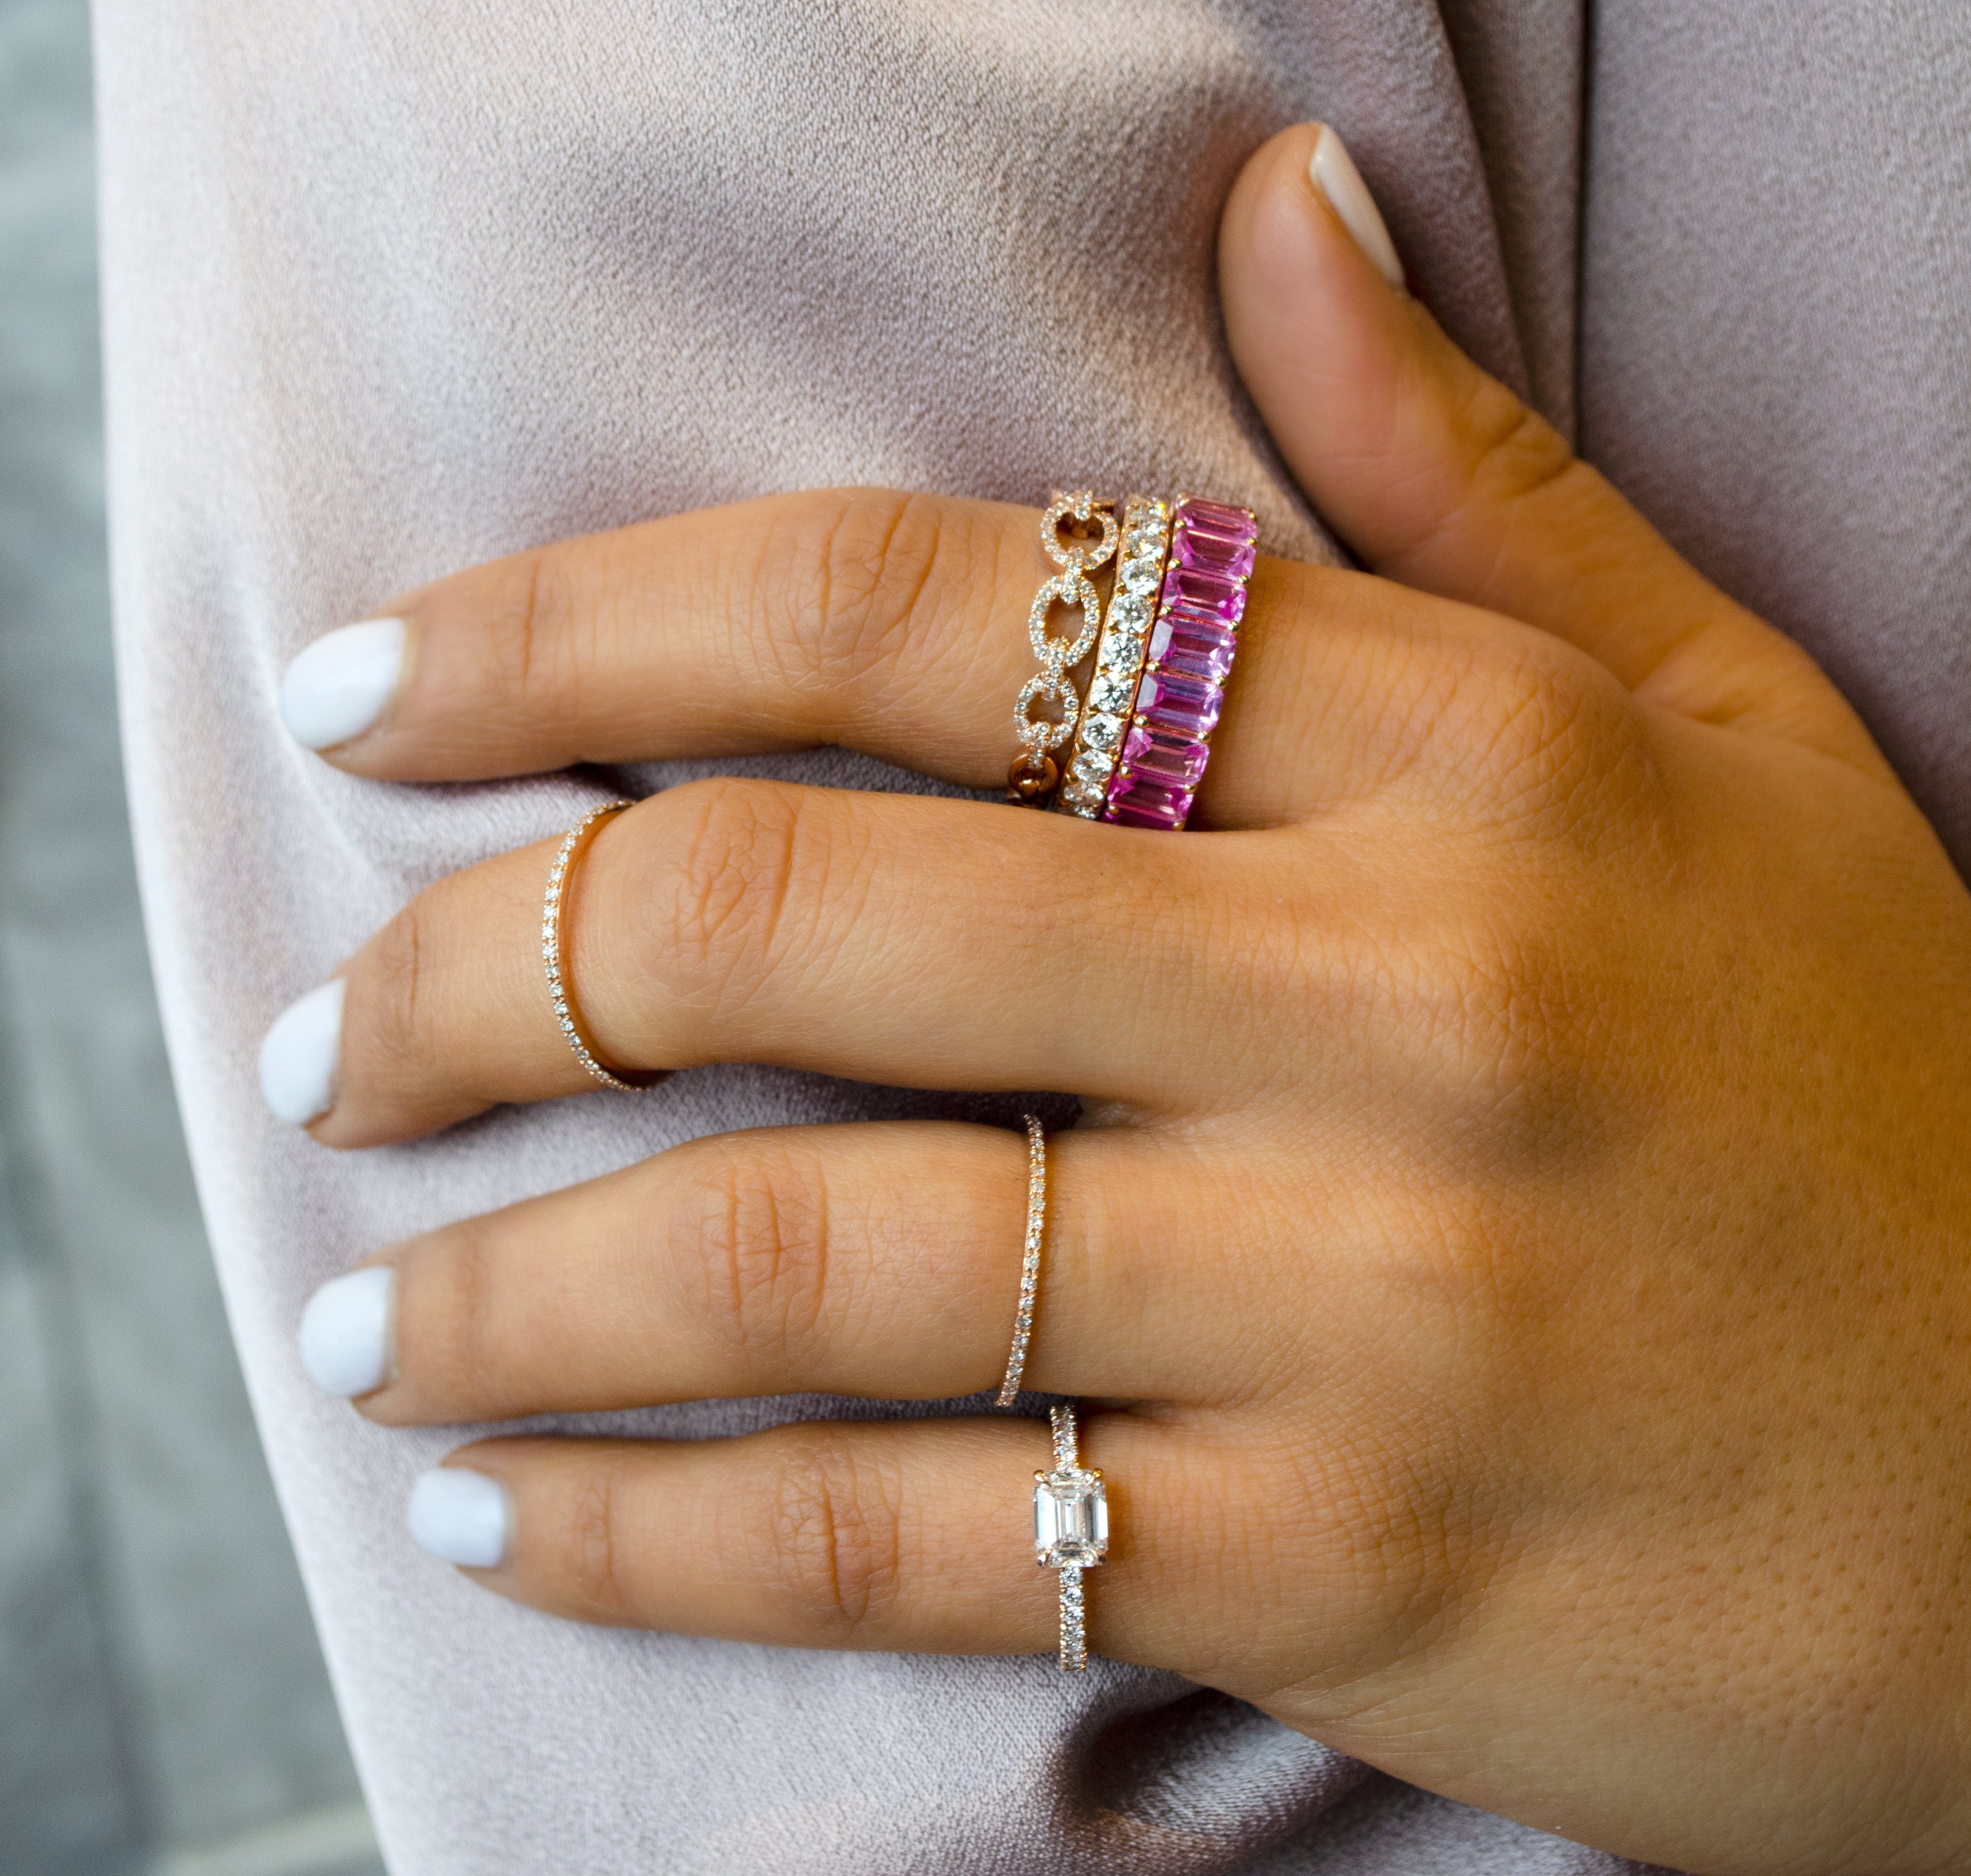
(163, 1705)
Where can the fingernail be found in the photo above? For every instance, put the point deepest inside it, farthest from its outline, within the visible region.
(1335, 175)
(338, 687)
(462, 1517)
(344, 1336)
(298, 1058)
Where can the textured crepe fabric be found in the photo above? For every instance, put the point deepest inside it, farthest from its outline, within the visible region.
(390, 290)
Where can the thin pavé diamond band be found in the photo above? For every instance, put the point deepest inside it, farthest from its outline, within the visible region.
(1070, 1504)
(1070, 1532)
(554, 950)
(1030, 1260)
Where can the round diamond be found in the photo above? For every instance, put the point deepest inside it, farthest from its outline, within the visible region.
(1112, 692)
(1101, 732)
(1121, 650)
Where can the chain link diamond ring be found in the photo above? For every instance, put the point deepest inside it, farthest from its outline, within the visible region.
(1034, 772)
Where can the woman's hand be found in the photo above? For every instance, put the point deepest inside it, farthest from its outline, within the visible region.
(1521, 1217)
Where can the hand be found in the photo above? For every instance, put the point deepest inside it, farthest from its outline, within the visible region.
(1520, 1217)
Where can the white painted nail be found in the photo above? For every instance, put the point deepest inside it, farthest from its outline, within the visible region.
(338, 687)
(298, 1057)
(344, 1336)
(1337, 177)
(462, 1517)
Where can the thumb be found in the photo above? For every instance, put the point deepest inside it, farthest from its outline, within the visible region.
(1436, 475)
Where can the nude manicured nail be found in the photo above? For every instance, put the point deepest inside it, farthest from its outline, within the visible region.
(462, 1517)
(1337, 177)
(340, 686)
(345, 1336)
(299, 1057)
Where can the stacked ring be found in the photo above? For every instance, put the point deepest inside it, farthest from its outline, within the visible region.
(1119, 658)
(1182, 689)
(1035, 773)
(1030, 1262)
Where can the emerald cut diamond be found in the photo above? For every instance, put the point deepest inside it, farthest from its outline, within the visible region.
(1071, 1519)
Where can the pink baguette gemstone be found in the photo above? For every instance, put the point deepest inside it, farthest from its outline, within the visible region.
(1196, 645)
(1192, 645)
(1142, 801)
(1219, 518)
(1177, 758)
(1188, 705)
(1214, 553)
(1210, 593)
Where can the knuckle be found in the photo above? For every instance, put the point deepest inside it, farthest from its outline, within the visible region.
(407, 1057)
(1558, 750)
(597, 1552)
(536, 633)
(727, 872)
(396, 1013)
(1515, 451)
(831, 1540)
(1505, 1019)
(453, 1345)
(857, 568)
(749, 1245)
(1420, 1547)
(531, 655)
(743, 874)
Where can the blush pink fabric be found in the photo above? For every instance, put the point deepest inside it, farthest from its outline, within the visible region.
(391, 289)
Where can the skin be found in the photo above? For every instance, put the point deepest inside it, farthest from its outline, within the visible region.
(1518, 1224)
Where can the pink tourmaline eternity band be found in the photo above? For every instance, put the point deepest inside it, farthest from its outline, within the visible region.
(1159, 684)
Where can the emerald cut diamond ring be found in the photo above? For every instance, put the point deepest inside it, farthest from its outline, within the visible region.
(1070, 1532)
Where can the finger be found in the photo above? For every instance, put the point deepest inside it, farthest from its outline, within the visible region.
(1438, 476)
(887, 938)
(895, 625)
(635, 655)
(934, 944)
(880, 1260)
(907, 1537)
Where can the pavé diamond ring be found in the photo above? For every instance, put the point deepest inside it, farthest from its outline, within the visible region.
(1119, 658)
(554, 950)
(1030, 1262)
(1070, 1532)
